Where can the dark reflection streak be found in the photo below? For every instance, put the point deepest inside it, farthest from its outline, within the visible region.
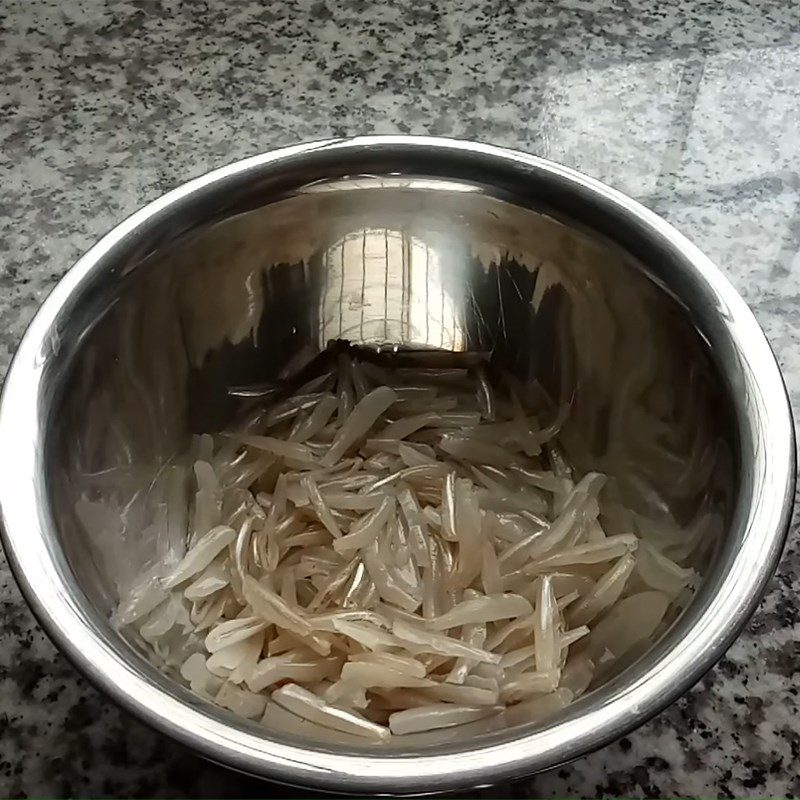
(326, 260)
(341, 286)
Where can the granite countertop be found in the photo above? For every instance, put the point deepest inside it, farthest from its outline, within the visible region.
(692, 107)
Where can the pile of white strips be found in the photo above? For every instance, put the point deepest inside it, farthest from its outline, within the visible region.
(396, 550)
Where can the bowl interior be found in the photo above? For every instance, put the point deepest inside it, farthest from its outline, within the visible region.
(243, 292)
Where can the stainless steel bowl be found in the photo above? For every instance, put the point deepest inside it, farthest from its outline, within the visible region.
(248, 271)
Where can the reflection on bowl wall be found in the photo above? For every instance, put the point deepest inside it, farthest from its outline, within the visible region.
(411, 243)
(420, 264)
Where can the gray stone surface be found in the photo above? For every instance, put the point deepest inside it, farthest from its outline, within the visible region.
(692, 107)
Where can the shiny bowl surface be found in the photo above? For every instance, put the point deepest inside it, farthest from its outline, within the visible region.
(244, 274)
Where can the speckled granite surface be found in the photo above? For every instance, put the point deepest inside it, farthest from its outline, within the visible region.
(692, 107)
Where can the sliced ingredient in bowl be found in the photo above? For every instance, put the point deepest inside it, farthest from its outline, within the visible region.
(398, 546)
